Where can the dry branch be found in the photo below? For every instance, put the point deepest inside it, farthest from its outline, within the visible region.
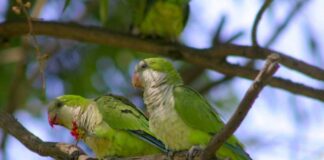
(245, 105)
(56, 150)
(208, 58)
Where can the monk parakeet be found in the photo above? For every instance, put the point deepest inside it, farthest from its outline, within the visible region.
(178, 115)
(110, 125)
(162, 18)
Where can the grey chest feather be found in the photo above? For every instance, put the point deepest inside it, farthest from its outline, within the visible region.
(166, 124)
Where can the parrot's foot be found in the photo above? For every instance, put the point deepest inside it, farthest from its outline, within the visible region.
(75, 152)
(170, 154)
(75, 155)
(193, 152)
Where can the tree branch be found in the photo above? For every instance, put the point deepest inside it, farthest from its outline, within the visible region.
(257, 19)
(288, 61)
(56, 150)
(191, 73)
(203, 57)
(288, 85)
(245, 105)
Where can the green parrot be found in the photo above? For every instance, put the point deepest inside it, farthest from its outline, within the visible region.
(161, 18)
(178, 115)
(110, 125)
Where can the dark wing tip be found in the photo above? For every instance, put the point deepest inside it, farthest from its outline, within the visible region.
(150, 139)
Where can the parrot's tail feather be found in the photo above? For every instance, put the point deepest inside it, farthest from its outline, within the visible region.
(233, 152)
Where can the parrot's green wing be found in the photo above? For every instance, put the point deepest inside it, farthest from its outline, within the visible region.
(197, 113)
(121, 114)
(164, 18)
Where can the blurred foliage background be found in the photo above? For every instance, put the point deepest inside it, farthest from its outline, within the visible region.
(272, 131)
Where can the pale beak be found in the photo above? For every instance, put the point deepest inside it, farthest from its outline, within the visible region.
(52, 120)
(136, 81)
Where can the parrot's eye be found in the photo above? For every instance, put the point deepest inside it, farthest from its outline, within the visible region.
(143, 65)
(58, 104)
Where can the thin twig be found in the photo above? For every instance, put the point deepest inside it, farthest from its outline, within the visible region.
(295, 9)
(257, 19)
(208, 86)
(41, 58)
(245, 105)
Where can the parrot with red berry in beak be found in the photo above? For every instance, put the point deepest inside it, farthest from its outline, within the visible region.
(110, 125)
(178, 115)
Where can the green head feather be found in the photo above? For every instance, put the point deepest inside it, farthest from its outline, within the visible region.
(64, 108)
(73, 101)
(163, 66)
(159, 64)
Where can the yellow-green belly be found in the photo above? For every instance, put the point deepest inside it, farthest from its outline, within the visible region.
(166, 124)
(176, 135)
(116, 143)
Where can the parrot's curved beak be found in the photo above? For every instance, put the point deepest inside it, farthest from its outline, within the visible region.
(52, 120)
(136, 81)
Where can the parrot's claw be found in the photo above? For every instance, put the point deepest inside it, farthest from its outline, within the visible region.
(170, 154)
(75, 155)
(76, 152)
(193, 152)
